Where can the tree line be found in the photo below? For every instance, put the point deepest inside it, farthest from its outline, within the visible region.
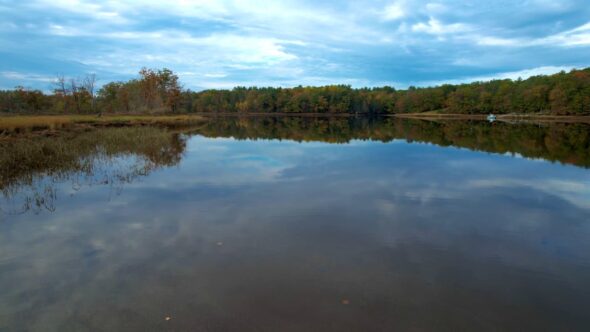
(159, 91)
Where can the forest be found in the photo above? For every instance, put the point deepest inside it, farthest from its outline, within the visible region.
(159, 91)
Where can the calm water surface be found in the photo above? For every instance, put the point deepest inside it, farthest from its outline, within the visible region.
(298, 225)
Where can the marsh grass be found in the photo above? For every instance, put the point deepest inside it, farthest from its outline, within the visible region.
(30, 167)
(22, 124)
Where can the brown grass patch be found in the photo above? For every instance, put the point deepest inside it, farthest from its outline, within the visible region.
(23, 124)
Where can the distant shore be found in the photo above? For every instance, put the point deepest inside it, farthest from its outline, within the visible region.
(8, 120)
(422, 116)
(499, 117)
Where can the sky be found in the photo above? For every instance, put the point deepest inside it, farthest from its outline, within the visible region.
(227, 43)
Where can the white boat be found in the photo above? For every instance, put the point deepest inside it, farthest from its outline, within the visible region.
(491, 117)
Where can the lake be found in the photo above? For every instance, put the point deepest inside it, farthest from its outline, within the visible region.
(298, 224)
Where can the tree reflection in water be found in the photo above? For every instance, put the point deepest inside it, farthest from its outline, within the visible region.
(31, 168)
(568, 143)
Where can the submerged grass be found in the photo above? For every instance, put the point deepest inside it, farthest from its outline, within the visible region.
(90, 157)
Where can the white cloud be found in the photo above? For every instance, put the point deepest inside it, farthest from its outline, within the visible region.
(96, 11)
(497, 41)
(526, 73)
(279, 42)
(435, 27)
(393, 12)
(181, 45)
(59, 30)
(26, 76)
(579, 36)
(513, 75)
(215, 75)
(435, 8)
(577, 193)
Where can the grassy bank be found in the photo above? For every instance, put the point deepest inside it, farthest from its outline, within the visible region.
(22, 124)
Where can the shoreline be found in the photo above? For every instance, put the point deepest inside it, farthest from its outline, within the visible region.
(54, 121)
(499, 117)
(419, 116)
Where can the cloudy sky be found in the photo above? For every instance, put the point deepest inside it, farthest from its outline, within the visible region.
(221, 44)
